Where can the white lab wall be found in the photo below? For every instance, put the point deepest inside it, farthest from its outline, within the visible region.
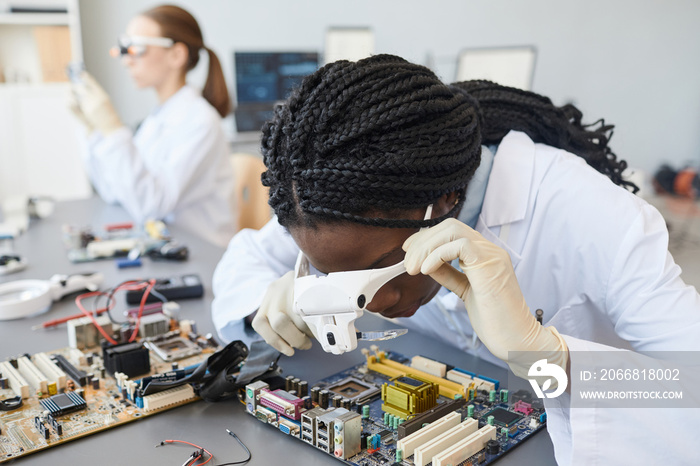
(634, 62)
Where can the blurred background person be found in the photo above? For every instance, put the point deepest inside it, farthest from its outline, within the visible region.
(175, 166)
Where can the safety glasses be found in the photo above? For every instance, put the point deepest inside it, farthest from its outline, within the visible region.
(136, 46)
(330, 304)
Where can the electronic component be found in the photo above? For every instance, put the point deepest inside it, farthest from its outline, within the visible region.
(173, 348)
(354, 389)
(429, 416)
(281, 402)
(154, 325)
(308, 425)
(289, 427)
(325, 434)
(409, 395)
(424, 453)
(383, 365)
(128, 358)
(168, 397)
(266, 415)
(15, 379)
(33, 375)
(82, 333)
(503, 417)
(465, 448)
(435, 368)
(53, 373)
(347, 429)
(171, 288)
(63, 403)
(522, 407)
(408, 444)
(252, 391)
(80, 377)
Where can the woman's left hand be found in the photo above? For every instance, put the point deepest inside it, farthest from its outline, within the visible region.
(490, 291)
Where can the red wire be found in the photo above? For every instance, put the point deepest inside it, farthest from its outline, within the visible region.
(130, 285)
(196, 446)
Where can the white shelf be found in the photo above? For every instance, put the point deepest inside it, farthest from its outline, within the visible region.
(59, 19)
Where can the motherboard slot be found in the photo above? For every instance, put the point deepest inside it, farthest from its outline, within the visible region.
(467, 447)
(15, 379)
(50, 369)
(424, 435)
(33, 375)
(424, 453)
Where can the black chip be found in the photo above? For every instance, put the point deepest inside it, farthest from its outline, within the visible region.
(503, 417)
(63, 403)
(385, 433)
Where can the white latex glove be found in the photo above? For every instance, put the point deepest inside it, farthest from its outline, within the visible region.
(276, 320)
(490, 291)
(94, 108)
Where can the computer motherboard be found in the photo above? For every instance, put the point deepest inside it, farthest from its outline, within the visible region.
(400, 411)
(52, 398)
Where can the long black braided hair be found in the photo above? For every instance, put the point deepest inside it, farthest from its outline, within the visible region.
(369, 141)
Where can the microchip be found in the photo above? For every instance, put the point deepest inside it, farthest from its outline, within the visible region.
(503, 417)
(385, 434)
(63, 403)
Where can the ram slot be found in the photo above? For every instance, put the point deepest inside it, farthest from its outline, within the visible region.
(30, 372)
(424, 453)
(408, 444)
(427, 417)
(52, 371)
(168, 397)
(17, 382)
(380, 363)
(467, 447)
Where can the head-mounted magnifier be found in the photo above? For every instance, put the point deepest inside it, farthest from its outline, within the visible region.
(136, 46)
(330, 304)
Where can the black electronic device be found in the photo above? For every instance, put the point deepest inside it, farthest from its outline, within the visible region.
(128, 358)
(172, 288)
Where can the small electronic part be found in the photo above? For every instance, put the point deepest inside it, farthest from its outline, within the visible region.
(154, 325)
(51, 370)
(308, 425)
(63, 403)
(289, 427)
(129, 358)
(252, 391)
(486, 383)
(503, 417)
(424, 453)
(325, 434)
(408, 444)
(281, 402)
(355, 390)
(465, 448)
(522, 407)
(435, 368)
(168, 397)
(266, 415)
(82, 333)
(460, 377)
(409, 395)
(347, 429)
(33, 375)
(429, 416)
(171, 288)
(14, 379)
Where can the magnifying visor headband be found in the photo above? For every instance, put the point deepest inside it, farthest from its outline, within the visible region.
(136, 46)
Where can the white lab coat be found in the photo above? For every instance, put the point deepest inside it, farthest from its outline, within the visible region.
(175, 168)
(590, 254)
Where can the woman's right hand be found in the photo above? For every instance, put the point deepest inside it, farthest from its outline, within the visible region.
(276, 320)
(93, 107)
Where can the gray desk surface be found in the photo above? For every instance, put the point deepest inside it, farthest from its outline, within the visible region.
(200, 422)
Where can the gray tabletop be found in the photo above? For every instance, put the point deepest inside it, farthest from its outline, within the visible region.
(200, 422)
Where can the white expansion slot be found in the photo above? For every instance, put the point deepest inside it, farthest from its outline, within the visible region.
(50, 369)
(30, 372)
(428, 365)
(17, 382)
(409, 443)
(467, 447)
(424, 453)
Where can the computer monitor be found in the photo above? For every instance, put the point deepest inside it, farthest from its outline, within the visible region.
(265, 78)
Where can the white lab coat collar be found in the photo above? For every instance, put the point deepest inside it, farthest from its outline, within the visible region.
(508, 191)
